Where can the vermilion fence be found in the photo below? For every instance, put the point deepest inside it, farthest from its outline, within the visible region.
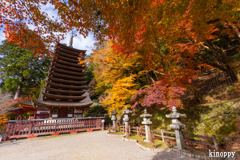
(36, 127)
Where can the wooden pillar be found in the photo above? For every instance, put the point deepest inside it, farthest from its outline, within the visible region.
(51, 111)
(34, 117)
(73, 112)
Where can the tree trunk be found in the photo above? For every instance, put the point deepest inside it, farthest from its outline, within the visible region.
(198, 95)
(195, 92)
(231, 72)
(19, 90)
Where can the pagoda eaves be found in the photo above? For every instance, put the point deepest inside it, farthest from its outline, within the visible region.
(65, 85)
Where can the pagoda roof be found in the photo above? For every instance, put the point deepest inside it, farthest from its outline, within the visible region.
(67, 59)
(66, 55)
(71, 48)
(69, 52)
(64, 91)
(66, 86)
(67, 81)
(44, 104)
(85, 103)
(66, 76)
(67, 67)
(67, 63)
(63, 96)
(67, 71)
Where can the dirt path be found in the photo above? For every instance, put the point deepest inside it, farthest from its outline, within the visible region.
(82, 146)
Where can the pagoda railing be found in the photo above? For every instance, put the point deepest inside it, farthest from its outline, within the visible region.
(36, 127)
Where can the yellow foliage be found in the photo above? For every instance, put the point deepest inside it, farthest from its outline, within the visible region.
(3, 119)
(116, 72)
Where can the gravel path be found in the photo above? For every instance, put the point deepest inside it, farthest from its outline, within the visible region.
(82, 146)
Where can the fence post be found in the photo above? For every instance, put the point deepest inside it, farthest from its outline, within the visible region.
(30, 128)
(74, 124)
(215, 142)
(162, 134)
(137, 131)
(129, 130)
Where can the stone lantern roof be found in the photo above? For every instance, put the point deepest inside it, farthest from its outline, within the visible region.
(114, 112)
(127, 111)
(145, 114)
(174, 114)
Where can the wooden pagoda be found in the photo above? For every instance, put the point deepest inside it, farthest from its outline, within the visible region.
(64, 96)
(65, 93)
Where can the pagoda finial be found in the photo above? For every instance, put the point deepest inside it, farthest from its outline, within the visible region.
(71, 41)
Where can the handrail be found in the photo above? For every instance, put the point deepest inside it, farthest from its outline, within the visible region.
(34, 128)
(54, 119)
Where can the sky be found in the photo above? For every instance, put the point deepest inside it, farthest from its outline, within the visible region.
(79, 42)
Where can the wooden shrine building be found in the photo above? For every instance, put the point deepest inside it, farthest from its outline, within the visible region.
(24, 107)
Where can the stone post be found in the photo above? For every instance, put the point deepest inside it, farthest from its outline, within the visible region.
(126, 113)
(177, 126)
(146, 121)
(114, 118)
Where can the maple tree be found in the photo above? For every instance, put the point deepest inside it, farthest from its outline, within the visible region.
(114, 75)
(222, 52)
(120, 78)
(141, 21)
(166, 36)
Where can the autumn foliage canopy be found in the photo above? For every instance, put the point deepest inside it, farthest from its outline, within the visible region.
(148, 49)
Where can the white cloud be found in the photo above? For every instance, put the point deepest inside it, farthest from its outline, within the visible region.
(50, 10)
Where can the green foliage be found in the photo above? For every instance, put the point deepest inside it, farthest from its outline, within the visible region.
(218, 119)
(89, 75)
(35, 92)
(95, 111)
(20, 67)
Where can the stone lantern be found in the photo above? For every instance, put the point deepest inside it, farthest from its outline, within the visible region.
(146, 121)
(113, 113)
(177, 126)
(126, 113)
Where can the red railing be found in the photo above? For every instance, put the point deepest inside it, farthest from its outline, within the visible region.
(36, 127)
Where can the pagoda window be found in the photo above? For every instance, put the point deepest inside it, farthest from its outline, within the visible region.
(55, 111)
(70, 111)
